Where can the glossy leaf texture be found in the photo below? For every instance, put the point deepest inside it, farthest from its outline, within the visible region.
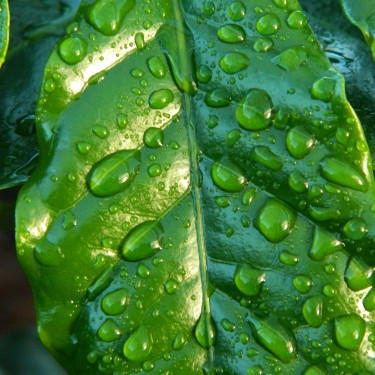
(4, 29)
(362, 14)
(204, 200)
(36, 27)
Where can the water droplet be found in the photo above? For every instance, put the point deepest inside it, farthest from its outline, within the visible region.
(302, 283)
(137, 73)
(231, 33)
(69, 220)
(369, 300)
(232, 137)
(72, 50)
(349, 331)
(139, 40)
(358, 274)
(237, 11)
(356, 229)
(228, 325)
(323, 244)
(329, 290)
(340, 172)
(228, 176)
(171, 286)
(48, 254)
(288, 258)
(155, 170)
(314, 370)
(143, 241)
(49, 85)
(234, 62)
(160, 99)
(101, 131)
(180, 341)
(248, 196)
(139, 345)
(297, 20)
(290, 59)
(268, 24)
(148, 366)
(109, 331)
(249, 280)
(153, 137)
(299, 142)
(254, 112)
(281, 3)
(222, 201)
(204, 74)
(263, 45)
(122, 120)
(298, 182)
(143, 271)
(156, 67)
(313, 311)
(323, 89)
(107, 15)
(115, 302)
(264, 156)
(275, 338)
(213, 121)
(275, 220)
(218, 98)
(83, 148)
(205, 331)
(114, 173)
(208, 8)
(255, 370)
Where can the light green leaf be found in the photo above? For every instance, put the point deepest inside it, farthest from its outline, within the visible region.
(194, 213)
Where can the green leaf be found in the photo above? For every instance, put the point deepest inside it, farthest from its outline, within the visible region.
(362, 14)
(35, 29)
(193, 213)
(4, 29)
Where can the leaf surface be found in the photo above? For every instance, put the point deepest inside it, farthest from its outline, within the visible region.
(4, 29)
(204, 198)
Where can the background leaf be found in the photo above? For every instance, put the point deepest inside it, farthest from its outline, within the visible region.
(36, 27)
(206, 212)
(4, 29)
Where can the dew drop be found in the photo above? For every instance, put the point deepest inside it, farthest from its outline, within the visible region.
(83, 148)
(302, 283)
(314, 370)
(205, 331)
(139, 40)
(237, 11)
(143, 241)
(255, 370)
(290, 59)
(72, 50)
(358, 274)
(48, 254)
(155, 170)
(156, 67)
(228, 325)
(153, 137)
(268, 24)
(180, 341)
(298, 182)
(249, 196)
(234, 62)
(109, 331)
(114, 173)
(100, 131)
(232, 137)
(288, 258)
(115, 302)
(323, 244)
(122, 120)
(222, 201)
(204, 74)
(263, 45)
(143, 271)
(228, 176)
(137, 73)
(249, 280)
(69, 220)
(356, 229)
(231, 33)
(139, 345)
(281, 3)
(208, 8)
(369, 300)
(313, 311)
(275, 220)
(160, 99)
(349, 331)
(264, 156)
(297, 20)
(299, 142)
(323, 89)
(171, 286)
(218, 98)
(254, 112)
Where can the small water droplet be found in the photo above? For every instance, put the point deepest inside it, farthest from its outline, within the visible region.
(232, 137)
(369, 300)
(298, 182)
(231, 33)
(143, 271)
(114, 173)
(109, 331)
(264, 156)
(101, 131)
(72, 50)
(263, 45)
(313, 311)
(275, 220)
(122, 120)
(302, 283)
(180, 341)
(69, 220)
(204, 74)
(234, 62)
(314, 370)
(153, 137)
(160, 99)
(288, 258)
(299, 142)
(171, 286)
(323, 244)
(83, 148)
(228, 325)
(237, 11)
(349, 331)
(228, 176)
(139, 345)
(139, 41)
(358, 274)
(143, 241)
(218, 98)
(205, 331)
(137, 73)
(323, 89)
(297, 20)
(155, 170)
(156, 67)
(268, 24)
(115, 302)
(254, 112)
(249, 280)
(356, 229)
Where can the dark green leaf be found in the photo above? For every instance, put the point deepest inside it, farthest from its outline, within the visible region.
(236, 242)
(36, 26)
(4, 29)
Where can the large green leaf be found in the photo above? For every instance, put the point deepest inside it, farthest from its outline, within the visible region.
(36, 27)
(362, 14)
(204, 200)
(4, 29)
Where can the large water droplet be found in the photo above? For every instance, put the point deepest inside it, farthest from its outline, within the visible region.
(275, 338)
(302, 283)
(143, 241)
(100, 131)
(323, 89)
(358, 274)
(231, 33)
(342, 173)
(264, 156)
(204, 74)
(288, 258)
(107, 15)
(115, 302)
(109, 331)
(157, 67)
(72, 50)
(228, 176)
(254, 112)
(153, 137)
(160, 99)
(369, 300)
(114, 173)
(268, 24)
(349, 331)
(298, 182)
(237, 11)
(297, 20)
(139, 345)
(234, 62)
(275, 220)
(355, 229)
(323, 244)
(299, 142)
(263, 45)
(205, 331)
(313, 311)
(218, 98)
(249, 280)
